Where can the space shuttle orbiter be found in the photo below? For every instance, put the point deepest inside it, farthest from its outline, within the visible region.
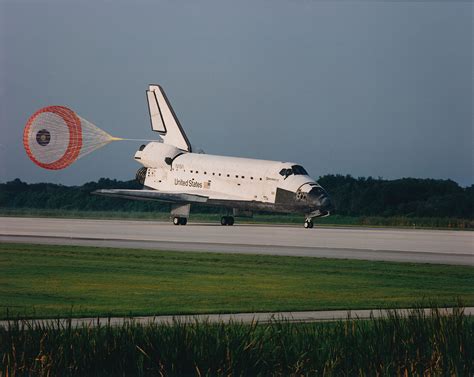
(172, 173)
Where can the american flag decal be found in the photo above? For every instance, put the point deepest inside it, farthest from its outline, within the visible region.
(207, 185)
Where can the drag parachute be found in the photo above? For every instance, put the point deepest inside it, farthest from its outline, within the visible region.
(55, 137)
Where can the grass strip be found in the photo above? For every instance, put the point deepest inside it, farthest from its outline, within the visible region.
(42, 281)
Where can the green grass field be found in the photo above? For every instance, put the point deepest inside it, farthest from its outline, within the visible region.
(49, 281)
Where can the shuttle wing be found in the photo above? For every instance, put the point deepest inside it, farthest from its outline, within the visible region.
(168, 196)
(164, 120)
(164, 196)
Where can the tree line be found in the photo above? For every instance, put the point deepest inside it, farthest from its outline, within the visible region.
(410, 197)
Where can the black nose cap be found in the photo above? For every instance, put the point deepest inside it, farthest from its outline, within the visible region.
(326, 204)
(320, 199)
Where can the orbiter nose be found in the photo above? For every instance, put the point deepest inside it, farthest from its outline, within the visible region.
(319, 199)
(326, 204)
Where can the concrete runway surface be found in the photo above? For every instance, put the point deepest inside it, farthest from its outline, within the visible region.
(403, 245)
(315, 316)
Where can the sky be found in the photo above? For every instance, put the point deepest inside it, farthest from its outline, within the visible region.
(367, 88)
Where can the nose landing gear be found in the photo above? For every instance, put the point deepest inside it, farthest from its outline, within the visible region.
(308, 224)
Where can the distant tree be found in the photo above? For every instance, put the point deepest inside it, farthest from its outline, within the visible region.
(401, 197)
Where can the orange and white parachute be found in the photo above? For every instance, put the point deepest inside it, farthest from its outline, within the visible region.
(55, 137)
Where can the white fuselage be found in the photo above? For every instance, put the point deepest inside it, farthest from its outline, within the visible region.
(220, 178)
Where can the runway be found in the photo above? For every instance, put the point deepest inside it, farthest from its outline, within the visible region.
(301, 317)
(402, 245)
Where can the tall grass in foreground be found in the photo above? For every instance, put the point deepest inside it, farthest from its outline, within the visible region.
(421, 344)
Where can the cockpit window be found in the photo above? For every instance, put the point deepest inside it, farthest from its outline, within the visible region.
(286, 172)
(299, 170)
(142, 147)
(295, 169)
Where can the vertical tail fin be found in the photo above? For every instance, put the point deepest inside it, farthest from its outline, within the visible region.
(163, 119)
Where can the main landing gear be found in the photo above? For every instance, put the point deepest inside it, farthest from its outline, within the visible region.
(180, 220)
(308, 224)
(227, 220)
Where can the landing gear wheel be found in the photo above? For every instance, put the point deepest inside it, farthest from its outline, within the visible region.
(308, 224)
(227, 220)
(180, 220)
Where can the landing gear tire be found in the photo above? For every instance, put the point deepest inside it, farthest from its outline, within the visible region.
(180, 220)
(227, 220)
(308, 224)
